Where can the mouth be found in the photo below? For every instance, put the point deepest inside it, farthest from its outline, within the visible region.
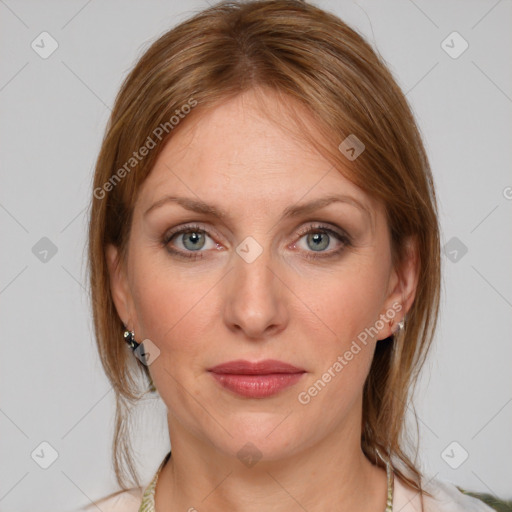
(256, 379)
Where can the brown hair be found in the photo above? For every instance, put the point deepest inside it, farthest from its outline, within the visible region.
(311, 57)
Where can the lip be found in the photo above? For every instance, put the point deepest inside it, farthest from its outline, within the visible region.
(259, 379)
(265, 367)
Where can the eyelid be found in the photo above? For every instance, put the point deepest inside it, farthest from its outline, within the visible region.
(323, 226)
(193, 226)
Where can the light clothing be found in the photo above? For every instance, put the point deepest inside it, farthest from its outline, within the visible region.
(446, 498)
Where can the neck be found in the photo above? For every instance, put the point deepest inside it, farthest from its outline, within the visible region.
(332, 474)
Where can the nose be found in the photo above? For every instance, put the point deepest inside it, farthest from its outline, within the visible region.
(255, 298)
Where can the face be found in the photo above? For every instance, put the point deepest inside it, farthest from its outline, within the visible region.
(255, 276)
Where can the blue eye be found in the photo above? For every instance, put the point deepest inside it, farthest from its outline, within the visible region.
(319, 237)
(196, 239)
(193, 239)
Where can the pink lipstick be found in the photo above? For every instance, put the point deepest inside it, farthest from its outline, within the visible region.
(256, 380)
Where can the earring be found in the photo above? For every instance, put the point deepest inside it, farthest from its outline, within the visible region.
(399, 326)
(129, 337)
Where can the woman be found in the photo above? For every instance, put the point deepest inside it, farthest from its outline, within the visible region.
(264, 238)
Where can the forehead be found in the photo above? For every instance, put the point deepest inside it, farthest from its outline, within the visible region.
(239, 153)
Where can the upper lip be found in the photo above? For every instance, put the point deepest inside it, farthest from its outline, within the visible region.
(266, 367)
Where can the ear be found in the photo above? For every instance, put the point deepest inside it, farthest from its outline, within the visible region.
(119, 286)
(402, 288)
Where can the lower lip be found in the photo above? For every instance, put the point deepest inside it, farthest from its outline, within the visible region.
(257, 386)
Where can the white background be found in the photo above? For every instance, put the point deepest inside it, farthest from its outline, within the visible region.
(53, 115)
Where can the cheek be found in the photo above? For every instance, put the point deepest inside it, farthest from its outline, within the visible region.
(347, 301)
(175, 312)
(173, 309)
(346, 306)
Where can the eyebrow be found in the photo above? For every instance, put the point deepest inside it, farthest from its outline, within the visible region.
(198, 206)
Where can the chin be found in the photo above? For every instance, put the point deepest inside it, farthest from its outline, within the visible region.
(262, 436)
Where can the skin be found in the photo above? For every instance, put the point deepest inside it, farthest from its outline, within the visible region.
(283, 306)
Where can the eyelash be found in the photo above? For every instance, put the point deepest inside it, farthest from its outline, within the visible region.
(195, 255)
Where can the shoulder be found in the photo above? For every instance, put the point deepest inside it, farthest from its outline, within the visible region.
(122, 501)
(445, 498)
(129, 500)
